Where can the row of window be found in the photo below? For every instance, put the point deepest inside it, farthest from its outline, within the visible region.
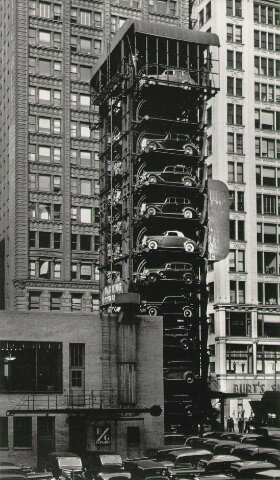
(240, 359)
(266, 41)
(45, 183)
(239, 324)
(236, 201)
(83, 130)
(267, 93)
(45, 211)
(236, 290)
(45, 67)
(85, 45)
(268, 263)
(237, 260)
(268, 293)
(267, 147)
(234, 86)
(51, 154)
(45, 38)
(234, 33)
(45, 10)
(76, 301)
(266, 14)
(82, 214)
(268, 204)
(86, 18)
(84, 271)
(267, 176)
(235, 172)
(267, 233)
(204, 15)
(50, 269)
(267, 119)
(84, 158)
(234, 114)
(48, 96)
(82, 186)
(267, 67)
(53, 240)
(162, 7)
(235, 143)
(47, 125)
(234, 8)
(234, 60)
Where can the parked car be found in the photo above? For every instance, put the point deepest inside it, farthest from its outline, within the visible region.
(169, 304)
(101, 463)
(171, 239)
(248, 470)
(210, 443)
(176, 143)
(270, 455)
(244, 451)
(251, 438)
(186, 459)
(179, 370)
(12, 476)
(218, 463)
(167, 77)
(179, 271)
(225, 446)
(64, 464)
(212, 434)
(146, 469)
(268, 474)
(174, 439)
(177, 207)
(40, 476)
(113, 476)
(171, 175)
(191, 441)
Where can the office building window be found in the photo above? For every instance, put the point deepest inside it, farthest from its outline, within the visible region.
(239, 359)
(34, 300)
(4, 439)
(55, 301)
(238, 324)
(76, 302)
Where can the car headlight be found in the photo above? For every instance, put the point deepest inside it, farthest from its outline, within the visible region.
(188, 150)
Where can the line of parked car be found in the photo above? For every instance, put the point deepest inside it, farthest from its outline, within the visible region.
(212, 456)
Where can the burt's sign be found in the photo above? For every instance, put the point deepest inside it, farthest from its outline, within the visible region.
(254, 388)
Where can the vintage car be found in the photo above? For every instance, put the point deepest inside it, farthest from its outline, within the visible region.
(185, 459)
(175, 143)
(168, 271)
(248, 470)
(175, 206)
(225, 446)
(104, 466)
(167, 77)
(174, 439)
(171, 175)
(218, 463)
(169, 304)
(65, 465)
(179, 370)
(146, 469)
(171, 239)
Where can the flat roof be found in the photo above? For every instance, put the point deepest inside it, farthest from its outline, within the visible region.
(158, 30)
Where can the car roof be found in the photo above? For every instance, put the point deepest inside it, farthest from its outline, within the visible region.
(252, 464)
(227, 442)
(190, 452)
(144, 463)
(271, 473)
(223, 458)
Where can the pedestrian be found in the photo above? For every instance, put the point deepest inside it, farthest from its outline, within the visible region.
(240, 424)
(247, 426)
(228, 424)
(231, 424)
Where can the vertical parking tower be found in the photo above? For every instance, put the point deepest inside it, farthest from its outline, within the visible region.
(152, 87)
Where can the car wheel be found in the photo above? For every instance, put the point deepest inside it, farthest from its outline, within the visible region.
(189, 247)
(189, 377)
(187, 313)
(152, 311)
(187, 182)
(152, 277)
(188, 214)
(152, 245)
(188, 278)
(189, 412)
(151, 146)
(151, 211)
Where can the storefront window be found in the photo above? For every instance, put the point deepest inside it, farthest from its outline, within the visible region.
(239, 359)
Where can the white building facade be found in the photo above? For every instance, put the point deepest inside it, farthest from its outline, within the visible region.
(244, 151)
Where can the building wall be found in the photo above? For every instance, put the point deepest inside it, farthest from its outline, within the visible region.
(226, 303)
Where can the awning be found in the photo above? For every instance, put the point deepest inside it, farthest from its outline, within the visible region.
(158, 30)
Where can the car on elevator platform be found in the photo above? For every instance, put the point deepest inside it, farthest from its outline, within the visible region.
(171, 175)
(170, 77)
(169, 304)
(177, 271)
(171, 143)
(170, 239)
(179, 370)
(174, 206)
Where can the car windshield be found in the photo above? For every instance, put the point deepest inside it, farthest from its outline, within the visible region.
(73, 462)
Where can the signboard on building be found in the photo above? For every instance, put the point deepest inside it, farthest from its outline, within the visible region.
(103, 435)
(218, 220)
(109, 292)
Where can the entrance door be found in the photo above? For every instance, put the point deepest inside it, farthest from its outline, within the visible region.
(77, 435)
(45, 439)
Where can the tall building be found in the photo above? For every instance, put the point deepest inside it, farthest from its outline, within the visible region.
(53, 344)
(244, 151)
